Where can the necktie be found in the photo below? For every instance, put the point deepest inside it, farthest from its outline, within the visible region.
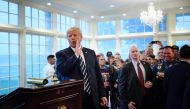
(140, 74)
(84, 72)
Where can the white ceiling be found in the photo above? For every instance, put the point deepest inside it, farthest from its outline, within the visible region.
(101, 7)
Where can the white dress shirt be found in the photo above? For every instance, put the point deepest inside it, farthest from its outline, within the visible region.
(48, 70)
(136, 69)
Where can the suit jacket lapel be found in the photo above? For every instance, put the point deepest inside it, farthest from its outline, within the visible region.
(133, 70)
(70, 51)
(85, 53)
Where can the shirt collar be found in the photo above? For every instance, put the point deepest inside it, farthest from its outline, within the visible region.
(74, 48)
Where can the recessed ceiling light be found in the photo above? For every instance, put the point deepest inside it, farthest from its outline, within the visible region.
(124, 14)
(181, 8)
(112, 6)
(102, 17)
(74, 11)
(49, 4)
(91, 17)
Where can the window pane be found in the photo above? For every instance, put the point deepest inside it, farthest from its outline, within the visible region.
(34, 13)
(28, 22)
(187, 17)
(140, 28)
(14, 70)
(3, 6)
(106, 28)
(35, 40)
(14, 82)
(179, 18)
(58, 18)
(28, 39)
(27, 11)
(4, 72)
(28, 70)
(34, 23)
(13, 38)
(148, 29)
(42, 24)
(4, 18)
(41, 15)
(13, 19)
(106, 45)
(14, 59)
(13, 8)
(187, 25)
(179, 25)
(3, 37)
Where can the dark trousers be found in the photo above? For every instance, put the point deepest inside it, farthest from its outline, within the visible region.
(87, 101)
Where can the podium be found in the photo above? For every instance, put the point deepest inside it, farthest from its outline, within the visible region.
(65, 95)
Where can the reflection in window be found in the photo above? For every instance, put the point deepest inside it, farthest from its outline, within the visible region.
(8, 13)
(106, 45)
(9, 64)
(134, 25)
(183, 21)
(106, 28)
(64, 22)
(36, 18)
(141, 43)
(37, 50)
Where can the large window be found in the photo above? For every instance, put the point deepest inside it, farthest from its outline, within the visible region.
(9, 64)
(106, 45)
(85, 27)
(141, 43)
(134, 25)
(163, 24)
(183, 21)
(106, 28)
(37, 50)
(36, 18)
(8, 13)
(64, 22)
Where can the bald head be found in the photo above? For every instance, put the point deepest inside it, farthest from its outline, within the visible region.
(134, 52)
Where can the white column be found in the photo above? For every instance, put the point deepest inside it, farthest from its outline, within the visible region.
(93, 43)
(170, 27)
(22, 55)
(118, 32)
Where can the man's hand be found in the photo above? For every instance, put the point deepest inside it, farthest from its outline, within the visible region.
(148, 84)
(104, 101)
(78, 49)
(131, 105)
(160, 74)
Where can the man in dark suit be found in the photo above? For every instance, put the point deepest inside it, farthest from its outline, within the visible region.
(175, 80)
(77, 62)
(135, 83)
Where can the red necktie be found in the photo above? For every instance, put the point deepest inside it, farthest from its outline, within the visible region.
(140, 74)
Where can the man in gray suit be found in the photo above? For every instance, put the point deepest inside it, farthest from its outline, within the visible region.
(77, 62)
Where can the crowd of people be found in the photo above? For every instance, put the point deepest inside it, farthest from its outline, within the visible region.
(143, 81)
(146, 80)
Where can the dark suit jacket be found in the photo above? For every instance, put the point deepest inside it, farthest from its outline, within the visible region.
(129, 85)
(186, 98)
(175, 84)
(67, 67)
